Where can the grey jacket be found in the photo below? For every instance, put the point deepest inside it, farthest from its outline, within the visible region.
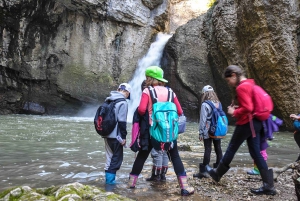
(121, 109)
(205, 119)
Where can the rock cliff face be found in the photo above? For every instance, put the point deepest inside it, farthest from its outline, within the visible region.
(58, 55)
(260, 36)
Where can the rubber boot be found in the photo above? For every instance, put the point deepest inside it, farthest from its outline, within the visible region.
(185, 188)
(156, 174)
(268, 183)
(202, 172)
(132, 180)
(163, 173)
(217, 173)
(110, 178)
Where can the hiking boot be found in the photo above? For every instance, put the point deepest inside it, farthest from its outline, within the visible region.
(202, 172)
(156, 174)
(217, 173)
(163, 173)
(132, 180)
(268, 183)
(185, 188)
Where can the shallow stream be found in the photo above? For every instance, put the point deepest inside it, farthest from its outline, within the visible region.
(40, 151)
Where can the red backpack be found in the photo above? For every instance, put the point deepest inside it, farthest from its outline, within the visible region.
(263, 104)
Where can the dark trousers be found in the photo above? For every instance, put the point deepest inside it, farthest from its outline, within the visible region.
(240, 134)
(174, 157)
(297, 138)
(114, 155)
(207, 150)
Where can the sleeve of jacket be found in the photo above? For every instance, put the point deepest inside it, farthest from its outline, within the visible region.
(122, 118)
(178, 106)
(204, 123)
(245, 101)
(143, 104)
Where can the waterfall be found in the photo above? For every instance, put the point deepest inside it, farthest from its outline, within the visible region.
(152, 58)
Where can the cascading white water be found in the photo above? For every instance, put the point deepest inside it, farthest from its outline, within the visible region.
(152, 58)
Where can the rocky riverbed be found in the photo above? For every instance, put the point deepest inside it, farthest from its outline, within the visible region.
(234, 185)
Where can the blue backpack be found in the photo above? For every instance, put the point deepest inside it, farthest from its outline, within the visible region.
(164, 126)
(219, 122)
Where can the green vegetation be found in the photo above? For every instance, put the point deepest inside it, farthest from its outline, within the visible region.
(212, 3)
(53, 193)
(4, 193)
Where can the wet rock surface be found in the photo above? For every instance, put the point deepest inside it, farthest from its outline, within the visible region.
(245, 33)
(71, 192)
(66, 54)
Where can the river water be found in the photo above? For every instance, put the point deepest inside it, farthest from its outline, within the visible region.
(40, 151)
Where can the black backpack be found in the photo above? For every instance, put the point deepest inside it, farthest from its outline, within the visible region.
(105, 118)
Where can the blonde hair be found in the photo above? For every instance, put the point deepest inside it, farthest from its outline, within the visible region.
(150, 81)
(209, 95)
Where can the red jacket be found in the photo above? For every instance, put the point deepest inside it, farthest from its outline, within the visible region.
(244, 93)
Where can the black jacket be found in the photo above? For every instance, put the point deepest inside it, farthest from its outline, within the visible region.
(144, 139)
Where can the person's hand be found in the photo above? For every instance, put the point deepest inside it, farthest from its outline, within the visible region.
(123, 143)
(230, 109)
(200, 137)
(294, 116)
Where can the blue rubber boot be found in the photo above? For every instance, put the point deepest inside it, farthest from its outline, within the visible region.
(110, 178)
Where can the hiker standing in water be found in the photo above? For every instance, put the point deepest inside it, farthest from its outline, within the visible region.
(154, 78)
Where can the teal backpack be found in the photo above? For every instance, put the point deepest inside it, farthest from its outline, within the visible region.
(164, 128)
(297, 124)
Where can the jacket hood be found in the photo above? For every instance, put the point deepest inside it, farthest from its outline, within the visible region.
(115, 95)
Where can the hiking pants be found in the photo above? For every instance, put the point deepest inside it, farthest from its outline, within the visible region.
(114, 155)
(143, 155)
(207, 150)
(160, 158)
(240, 134)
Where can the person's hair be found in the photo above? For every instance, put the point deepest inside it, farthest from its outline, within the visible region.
(209, 95)
(122, 90)
(234, 69)
(143, 85)
(150, 81)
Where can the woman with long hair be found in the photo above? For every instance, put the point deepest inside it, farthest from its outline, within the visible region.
(246, 125)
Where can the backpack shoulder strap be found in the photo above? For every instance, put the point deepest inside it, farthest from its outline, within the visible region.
(214, 110)
(153, 94)
(210, 104)
(170, 95)
(220, 106)
(118, 100)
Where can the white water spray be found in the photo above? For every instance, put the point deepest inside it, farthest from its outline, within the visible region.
(152, 58)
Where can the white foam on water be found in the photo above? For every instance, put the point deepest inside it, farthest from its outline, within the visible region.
(66, 164)
(44, 173)
(81, 175)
